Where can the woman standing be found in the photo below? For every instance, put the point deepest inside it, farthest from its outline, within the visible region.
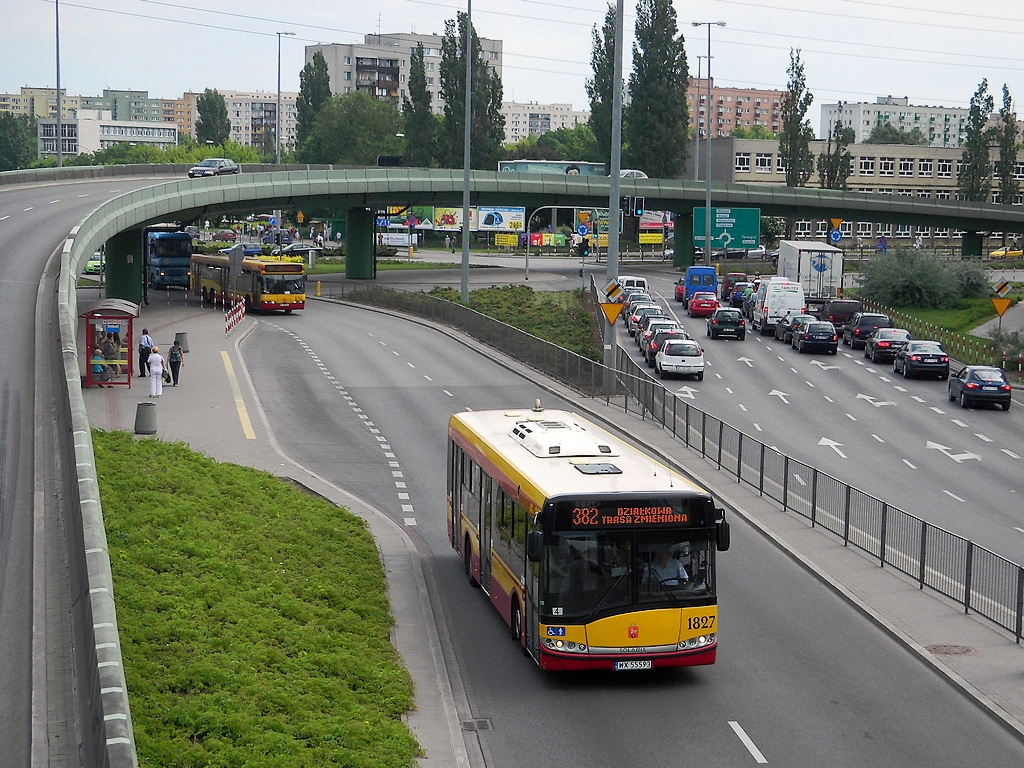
(156, 373)
(174, 357)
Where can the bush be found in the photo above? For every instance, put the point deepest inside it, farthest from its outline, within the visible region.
(912, 279)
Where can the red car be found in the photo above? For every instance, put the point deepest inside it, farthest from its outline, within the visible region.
(702, 305)
(680, 289)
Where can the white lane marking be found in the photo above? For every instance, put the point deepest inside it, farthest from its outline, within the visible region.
(809, 384)
(85, 195)
(851, 417)
(727, 389)
(1011, 454)
(410, 365)
(833, 445)
(915, 397)
(751, 747)
(878, 438)
(954, 496)
(447, 393)
(394, 464)
(847, 354)
(381, 342)
(400, 484)
(743, 407)
(885, 379)
(958, 422)
(4, 217)
(782, 358)
(937, 410)
(829, 399)
(28, 209)
(427, 377)
(407, 508)
(758, 427)
(410, 521)
(869, 369)
(898, 388)
(1018, 529)
(53, 201)
(396, 354)
(403, 496)
(859, 362)
(718, 375)
(799, 479)
(909, 464)
(982, 437)
(794, 370)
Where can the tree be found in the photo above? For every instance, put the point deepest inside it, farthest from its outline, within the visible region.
(314, 90)
(655, 123)
(797, 133)
(599, 87)
(576, 143)
(17, 141)
(755, 132)
(213, 124)
(268, 143)
(353, 130)
(1006, 165)
(420, 125)
(974, 181)
(487, 124)
(887, 133)
(835, 164)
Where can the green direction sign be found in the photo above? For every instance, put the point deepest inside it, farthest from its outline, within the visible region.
(731, 228)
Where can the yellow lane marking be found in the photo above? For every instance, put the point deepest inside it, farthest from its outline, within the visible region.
(243, 415)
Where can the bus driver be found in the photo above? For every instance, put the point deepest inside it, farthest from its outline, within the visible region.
(666, 570)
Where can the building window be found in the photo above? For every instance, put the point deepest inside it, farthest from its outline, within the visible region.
(864, 229)
(906, 166)
(885, 230)
(742, 162)
(886, 166)
(924, 168)
(959, 168)
(763, 162)
(944, 169)
(846, 227)
(902, 230)
(823, 228)
(905, 192)
(803, 228)
(942, 194)
(941, 232)
(867, 166)
(780, 164)
(924, 193)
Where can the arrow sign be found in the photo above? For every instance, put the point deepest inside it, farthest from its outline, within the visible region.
(687, 392)
(781, 395)
(958, 458)
(833, 445)
(825, 366)
(747, 360)
(874, 402)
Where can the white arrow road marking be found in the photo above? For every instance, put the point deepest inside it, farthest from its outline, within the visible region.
(687, 392)
(833, 445)
(825, 366)
(873, 401)
(747, 360)
(954, 496)
(982, 437)
(799, 479)
(958, 422)
(909, 464)
(781, 395)
(958, 458)
(1010, 453)
(751, 748)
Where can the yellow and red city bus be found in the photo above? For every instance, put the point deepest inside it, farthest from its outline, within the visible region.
(264, 284)
(569, 530)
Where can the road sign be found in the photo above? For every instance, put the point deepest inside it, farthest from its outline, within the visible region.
(730, 227)
(612, 311)
(582, 230)
(300, 217)
(650, 238)
(1001, 305)
(613, 290)
(836, 223)
(835, 235)
(506, 238)
(1003, 288)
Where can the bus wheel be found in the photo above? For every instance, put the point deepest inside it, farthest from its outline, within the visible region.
(287, 311)
(517, 621)
(467, 552)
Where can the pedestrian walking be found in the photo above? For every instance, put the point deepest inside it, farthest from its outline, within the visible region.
(156, 373)
(145, 350)
(175, 359)
(447, 243)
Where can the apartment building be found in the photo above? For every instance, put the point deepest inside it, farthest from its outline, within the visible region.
(731, 108)
(533, 119)
(379, 66)
(126, 106)
(252, 113)
(39, 102)
(91, 130)
(942, 126)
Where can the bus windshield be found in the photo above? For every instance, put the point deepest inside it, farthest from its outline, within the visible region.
(166, 247)
(287, 284)
(598, 573)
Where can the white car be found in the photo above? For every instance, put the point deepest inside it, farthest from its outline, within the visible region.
(682, 357)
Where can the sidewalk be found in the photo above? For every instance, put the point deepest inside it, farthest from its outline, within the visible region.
(973, 655)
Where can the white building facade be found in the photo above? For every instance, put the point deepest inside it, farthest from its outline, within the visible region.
(253, 112)
(942, 126)
(533, 119)
(91, 130)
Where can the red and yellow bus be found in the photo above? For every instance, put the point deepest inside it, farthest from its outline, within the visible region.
(596, 555)
(264, 284)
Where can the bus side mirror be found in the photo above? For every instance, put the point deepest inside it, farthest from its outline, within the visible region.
(722, 535)
(535, 546)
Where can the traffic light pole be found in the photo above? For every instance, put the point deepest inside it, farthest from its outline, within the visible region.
(612, 271)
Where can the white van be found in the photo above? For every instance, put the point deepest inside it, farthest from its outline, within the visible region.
(776, 298)
(633, 283)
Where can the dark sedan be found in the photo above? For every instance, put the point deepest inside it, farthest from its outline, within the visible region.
(784, 331)
(921, 358)
(980, 384)
(815, 336)
(884, 343)
(213, 166)
(278, 237)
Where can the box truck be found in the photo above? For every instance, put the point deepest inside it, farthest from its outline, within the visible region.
(817, 267)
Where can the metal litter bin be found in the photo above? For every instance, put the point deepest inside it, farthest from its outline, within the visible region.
(145, 419)
(182, 338)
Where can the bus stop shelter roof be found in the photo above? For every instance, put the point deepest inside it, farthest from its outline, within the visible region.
(111, 308)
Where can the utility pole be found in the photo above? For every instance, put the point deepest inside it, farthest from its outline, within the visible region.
(614, 208)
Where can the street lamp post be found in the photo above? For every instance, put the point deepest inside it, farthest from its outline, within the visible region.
(277, 121)
(467, 50)
(707, 141)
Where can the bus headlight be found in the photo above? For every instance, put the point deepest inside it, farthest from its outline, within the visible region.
(696, 642)
(565, 646)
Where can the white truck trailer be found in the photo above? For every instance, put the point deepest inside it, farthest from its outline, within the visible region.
(816, 266)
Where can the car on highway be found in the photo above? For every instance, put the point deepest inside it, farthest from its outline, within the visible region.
(641, 313)
(921, 358)
(680, 358)
(95, 265)
(225, 236)
(738, 291)
(839, 311)
(726, 321)
(633, 309)
(298, 249)
(659, 338)
(214, 166)
(702, 305)
(653, 324)
(632, 283)
(633, 299)
(817, 335)
(729, 283)
(784, 330)
(1007, 253)
(277, 237)
(862, 325)
(977, 384)
(883, 344)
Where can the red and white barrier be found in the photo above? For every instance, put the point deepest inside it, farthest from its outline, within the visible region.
(234, 316)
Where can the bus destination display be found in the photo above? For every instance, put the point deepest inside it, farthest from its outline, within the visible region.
(589, 515)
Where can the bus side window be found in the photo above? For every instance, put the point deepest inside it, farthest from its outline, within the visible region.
(519, 525)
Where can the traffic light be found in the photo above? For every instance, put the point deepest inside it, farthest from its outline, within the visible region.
(625, 204)
(584, 247)
(638, 206)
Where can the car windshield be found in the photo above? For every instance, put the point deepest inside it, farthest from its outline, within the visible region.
(589, 574)
(894, 333)
(820, 328)
(988, 374)
(682, 349)
(927, 347)
(704, 296)
(733, 314)
(289, 284)
(211, 163)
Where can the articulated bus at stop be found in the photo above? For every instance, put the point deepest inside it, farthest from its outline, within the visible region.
(596, 555)
(264, 285)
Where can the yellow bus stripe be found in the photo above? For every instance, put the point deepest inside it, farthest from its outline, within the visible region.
(243, 414)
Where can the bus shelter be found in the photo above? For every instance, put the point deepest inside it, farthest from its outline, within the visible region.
(108, 341)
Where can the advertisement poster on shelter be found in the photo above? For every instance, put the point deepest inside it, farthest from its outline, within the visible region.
(497, 218)
(450, 219)
(422, 215)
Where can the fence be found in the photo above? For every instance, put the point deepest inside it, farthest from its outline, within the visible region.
(975, 577)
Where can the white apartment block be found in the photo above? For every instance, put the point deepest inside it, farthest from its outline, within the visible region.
(252, 112)
(533, 119)
(942, 126)
(379, 66)
(91, 130)
(39, 102)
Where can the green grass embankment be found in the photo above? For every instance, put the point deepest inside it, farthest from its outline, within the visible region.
(253, 617)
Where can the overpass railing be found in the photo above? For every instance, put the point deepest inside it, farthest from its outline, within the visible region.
(977, 578)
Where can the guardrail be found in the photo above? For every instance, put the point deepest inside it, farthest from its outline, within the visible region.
(977, 578)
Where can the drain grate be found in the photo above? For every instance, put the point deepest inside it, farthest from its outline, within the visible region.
(480, 724)
(948, 649)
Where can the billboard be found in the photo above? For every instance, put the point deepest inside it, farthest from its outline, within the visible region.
(450, 219)
(422, 215)
(499, 218)
(731, 228)
(561, 167)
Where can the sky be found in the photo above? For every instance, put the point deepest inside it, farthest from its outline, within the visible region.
(931, 51)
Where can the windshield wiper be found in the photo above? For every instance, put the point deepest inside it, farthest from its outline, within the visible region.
(597, 606)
